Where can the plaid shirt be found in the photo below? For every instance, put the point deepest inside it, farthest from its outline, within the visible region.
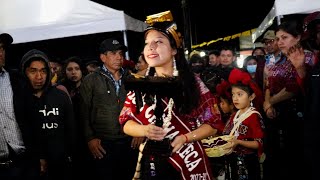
(117, 84)
(10, 134)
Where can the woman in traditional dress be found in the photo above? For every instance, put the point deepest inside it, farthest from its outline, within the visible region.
(167, 104)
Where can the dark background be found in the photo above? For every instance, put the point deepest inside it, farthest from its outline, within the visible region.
(208, 19)
(198, 20)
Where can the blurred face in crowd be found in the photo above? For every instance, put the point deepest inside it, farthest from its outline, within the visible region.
(197, 67)
(141, 64)
(252, 62)
(55, 67)
(2, 55)
(37, 74)
(214, 60)
(226, 106)
(270, 46)
(226, 58)
(252, 66)
(73, 72)
(91, 68)
(258, 52)
(286, 40)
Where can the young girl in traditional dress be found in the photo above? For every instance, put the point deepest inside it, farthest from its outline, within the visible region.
(223, 91)
(247, 145)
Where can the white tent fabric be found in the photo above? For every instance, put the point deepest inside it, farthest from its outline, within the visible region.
(36, 20)
(286, 7)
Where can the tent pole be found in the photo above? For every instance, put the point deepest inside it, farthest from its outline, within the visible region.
(279, 20)
(187, 24)
(126, 43)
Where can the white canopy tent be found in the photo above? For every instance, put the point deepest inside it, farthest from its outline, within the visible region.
(285, 7)
(36, 20)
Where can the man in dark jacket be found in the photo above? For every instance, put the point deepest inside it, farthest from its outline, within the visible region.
(19, 131)
(102, 97)
(55, 114)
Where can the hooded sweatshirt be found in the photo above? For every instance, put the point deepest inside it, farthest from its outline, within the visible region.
(55, 112)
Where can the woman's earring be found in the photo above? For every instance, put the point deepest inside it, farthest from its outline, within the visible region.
(175, 71)
(147, 72)
(251, 103)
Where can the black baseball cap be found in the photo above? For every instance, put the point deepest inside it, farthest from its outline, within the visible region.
(111, 44)
(6, 39)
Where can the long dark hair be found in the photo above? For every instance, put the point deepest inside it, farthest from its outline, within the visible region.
(70, 85)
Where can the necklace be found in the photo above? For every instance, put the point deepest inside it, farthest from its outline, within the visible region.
(168, 118)
(237, 118)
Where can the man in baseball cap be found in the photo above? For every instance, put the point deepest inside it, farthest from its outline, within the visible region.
(5, 41)
(103, 95)
(270, 45)
(111, 44)
(269, 35)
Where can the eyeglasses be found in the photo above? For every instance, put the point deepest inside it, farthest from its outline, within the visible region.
(266, 42)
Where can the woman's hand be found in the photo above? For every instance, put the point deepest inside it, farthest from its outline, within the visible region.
(269, 110)
(154, 132)
(178, 142)
(266, 105)
(231, 145)
(296, 55)
(271, 113)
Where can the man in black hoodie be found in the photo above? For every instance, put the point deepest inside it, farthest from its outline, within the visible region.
(18, 129)
(55, 114)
